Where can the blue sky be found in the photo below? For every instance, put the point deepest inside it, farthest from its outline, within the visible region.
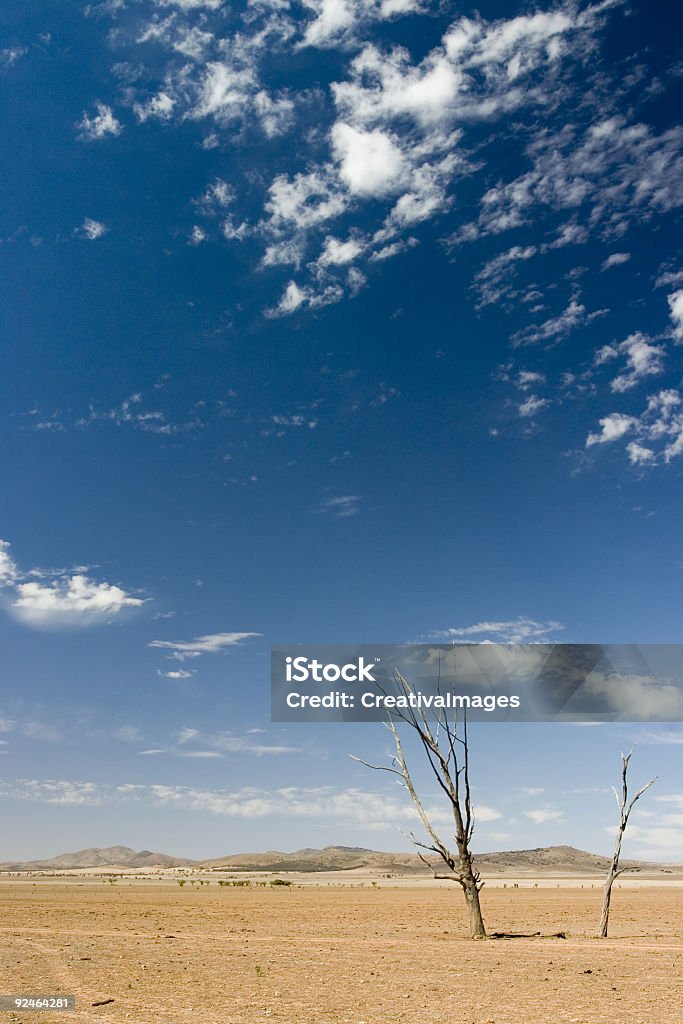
(337, 321)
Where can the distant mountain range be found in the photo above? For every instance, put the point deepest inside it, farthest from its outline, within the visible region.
(549, 860)
(94, 857)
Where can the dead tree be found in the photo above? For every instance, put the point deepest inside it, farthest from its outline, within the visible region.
(625, 807)
(448, 757)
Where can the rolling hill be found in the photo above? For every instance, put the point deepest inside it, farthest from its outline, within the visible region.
(96, 857)
(547, 860)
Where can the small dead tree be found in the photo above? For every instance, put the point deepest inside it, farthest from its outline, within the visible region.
(625, 807)
(448, 757)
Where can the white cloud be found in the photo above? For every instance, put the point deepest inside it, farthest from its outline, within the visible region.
(179, 673)
(197, 236)
(542, 815)
(100, 125)
(224, 742)
(59, 599)
(675, 301)
(232, 744)
(160, 107)
(390, 130)
(668, 278)
(92, 229)
(54, 791)
(275, 115)
(659, 426)
(191, 5)
(610, 172)
(41, 731)
(223, 92)
(484, 813)
(217, 197)
(287, 253)
(333, 17)
(516, 631)
(670, 798)
(529, 378)
(665, 736)
(10, 55)
(557, 327)
(639, 455)
(493, 282)
(342, 507)
(350, 806)
(532, 405)
(304, 201)
(8, 568)
(371, 162)
(336, 253)
(642, 697)
(201, 754)
(613, 427)
(657, 842)
(292, 298)
(615, 259)
(72, 600)
(643, 359)
(210, 643)
(336, 21)
(127, 734)
(295, 296)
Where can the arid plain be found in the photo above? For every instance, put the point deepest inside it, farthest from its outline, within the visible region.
(340, 948)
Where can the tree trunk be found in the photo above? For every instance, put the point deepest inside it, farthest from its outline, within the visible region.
(477, 929)
(470, 886)
(609, 882)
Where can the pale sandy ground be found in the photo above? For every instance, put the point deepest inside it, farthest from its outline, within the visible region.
(340, 955)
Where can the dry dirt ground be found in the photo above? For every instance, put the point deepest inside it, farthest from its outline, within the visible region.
(212, 955)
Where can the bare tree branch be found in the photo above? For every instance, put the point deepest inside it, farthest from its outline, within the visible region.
(625, 808)
(442, 747)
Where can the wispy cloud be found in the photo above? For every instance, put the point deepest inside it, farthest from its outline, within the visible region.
(556, 327)
(350, 806)
(133, 412)
(662, 737)
(519, 630)
(10, 55)
(342, 507)
(225, 742)
(127, 734)
(210, 643)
